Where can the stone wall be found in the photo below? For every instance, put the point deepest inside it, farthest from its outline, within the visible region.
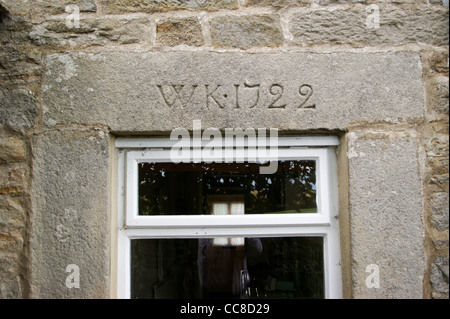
(67, 87)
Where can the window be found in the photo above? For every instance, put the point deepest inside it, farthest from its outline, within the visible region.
(221, 229)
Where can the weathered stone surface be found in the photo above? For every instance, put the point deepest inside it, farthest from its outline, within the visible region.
(11, 190)
(386, 213)
(439, 95)
(440, 206)
(438, 61)
(278, 3)
(59, 6)
(175, 32)
(10, 204)
(13, 174)
(120, 6)
(17, 108)
(326, 2)
(10, 288)
(70, 224)
(11, 241)
(437, 150)
(18, 62)
(439, 278)
(16, 7)
(245, 32)
(138, 91)
(348, 26)
(91, 32)
(11, 150)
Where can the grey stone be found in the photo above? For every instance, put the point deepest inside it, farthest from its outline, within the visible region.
(18, 63)
(355, 26)
(59, 6)
(11, 150)
(120, 6)
(10, 288)
(439, 95)
(386, 214)
(17, 109)
(439, 278)
(91, 32)
(278, 3)
(71, 208)
(158, 92)
(16, 7)
(245, 32)
(440, 206)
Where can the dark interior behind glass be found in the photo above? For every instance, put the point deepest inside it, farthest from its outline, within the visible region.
(285, 267)
(259, 268)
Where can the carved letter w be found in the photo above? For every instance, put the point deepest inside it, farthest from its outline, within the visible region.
(173, 93)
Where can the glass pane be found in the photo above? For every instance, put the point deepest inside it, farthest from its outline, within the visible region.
(245, 268)
(196, 189)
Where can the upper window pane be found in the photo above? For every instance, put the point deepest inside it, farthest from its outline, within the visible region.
(226, 188)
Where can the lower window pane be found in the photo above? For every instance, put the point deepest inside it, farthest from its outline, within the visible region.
(246, 268)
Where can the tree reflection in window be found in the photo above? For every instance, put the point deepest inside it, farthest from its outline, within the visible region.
(183, 189)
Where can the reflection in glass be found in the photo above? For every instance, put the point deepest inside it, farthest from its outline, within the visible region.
(188, 188)
(259, 268)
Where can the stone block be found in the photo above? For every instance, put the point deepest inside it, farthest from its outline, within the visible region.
(158, 92)
(13, 174)
(439, 61)
(92, 32)
(121, 6)
(71, 211)
(439, 207)
(439, 95)
(10, 288)
(11, 241)
(245, 32)
(333, 2)
(11, 150)
(437, 150)
(175, 32)
(16, 7)
(18, 62)
(278, 3)
(353, 25)
(17, 109)
(385, 195)
(439, 278)
(59, 6)
(11, 190)
(10, 204)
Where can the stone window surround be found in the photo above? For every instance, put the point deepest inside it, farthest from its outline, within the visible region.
(324, 223)
(376, 158)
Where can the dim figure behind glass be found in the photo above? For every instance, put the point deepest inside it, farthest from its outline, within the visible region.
(222, 266)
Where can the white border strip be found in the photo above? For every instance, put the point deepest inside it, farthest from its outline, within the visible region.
(284, 141)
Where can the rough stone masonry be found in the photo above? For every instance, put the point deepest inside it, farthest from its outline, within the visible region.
(75, 74)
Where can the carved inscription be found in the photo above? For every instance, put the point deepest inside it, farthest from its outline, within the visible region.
(277, 91)
(175, 93)
(256, 89)
(306, 92)
(239, 96)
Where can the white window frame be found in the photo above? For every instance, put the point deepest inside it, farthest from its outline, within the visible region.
(324, 223)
